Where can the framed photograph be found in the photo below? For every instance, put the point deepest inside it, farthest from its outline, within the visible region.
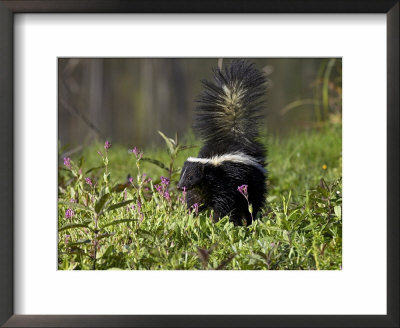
(212, 165)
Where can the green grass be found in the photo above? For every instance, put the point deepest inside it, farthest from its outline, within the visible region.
(117, 226)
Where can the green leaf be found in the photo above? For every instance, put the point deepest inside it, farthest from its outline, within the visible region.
(170, 142)
(145, 233)
(74, 205)
(75, 225)
(106, 177)
(104, 235)
(108, 251)
(271, 228)
(225, 262)
(338, 211)
(81, 160)
(118, 205)
(155, 162)
(117, 222)
(323, 191)
(101, 202)
(94, 168)
(79, 242)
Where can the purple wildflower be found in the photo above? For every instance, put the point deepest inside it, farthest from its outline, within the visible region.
(183, 199)
(167, 196)
(100, 153)
(243, 190)
(69, 213)
(67, 238)
(67, 162)
(144, 179)
(137, 152)
(164, 181)
(107, 145)
(89, 182)
(184, 193)
(130, 180)
(72, 200)
(159, 188)
(195, 207)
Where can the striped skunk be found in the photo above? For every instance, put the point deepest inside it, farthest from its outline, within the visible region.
(227, 118)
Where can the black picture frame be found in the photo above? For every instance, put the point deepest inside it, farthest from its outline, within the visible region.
(11, 7)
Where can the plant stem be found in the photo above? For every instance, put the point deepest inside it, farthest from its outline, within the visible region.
(96, 220)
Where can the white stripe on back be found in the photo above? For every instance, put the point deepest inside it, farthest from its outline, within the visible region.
(237, 157)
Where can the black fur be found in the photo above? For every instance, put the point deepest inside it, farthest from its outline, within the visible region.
(227, 119)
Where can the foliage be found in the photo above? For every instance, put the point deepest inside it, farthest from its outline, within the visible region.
(107, 223)
(327, 89)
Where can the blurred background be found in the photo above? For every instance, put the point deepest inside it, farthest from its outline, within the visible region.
(127, 100)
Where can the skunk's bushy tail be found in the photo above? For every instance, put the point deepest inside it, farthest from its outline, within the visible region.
(231, 105)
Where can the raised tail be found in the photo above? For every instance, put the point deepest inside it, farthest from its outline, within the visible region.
(230, 107)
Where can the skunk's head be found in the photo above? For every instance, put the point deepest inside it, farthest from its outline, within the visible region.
(191, 176)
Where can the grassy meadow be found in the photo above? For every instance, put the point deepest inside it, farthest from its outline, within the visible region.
(109, 220)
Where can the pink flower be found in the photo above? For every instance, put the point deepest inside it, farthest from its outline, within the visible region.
(243, 190)
(69, 213)
(184, 194)
(107, 145)
(67, 162)
(89, 182)
(195, 207)
(164, 181)
(159, 188)
(137, 152)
